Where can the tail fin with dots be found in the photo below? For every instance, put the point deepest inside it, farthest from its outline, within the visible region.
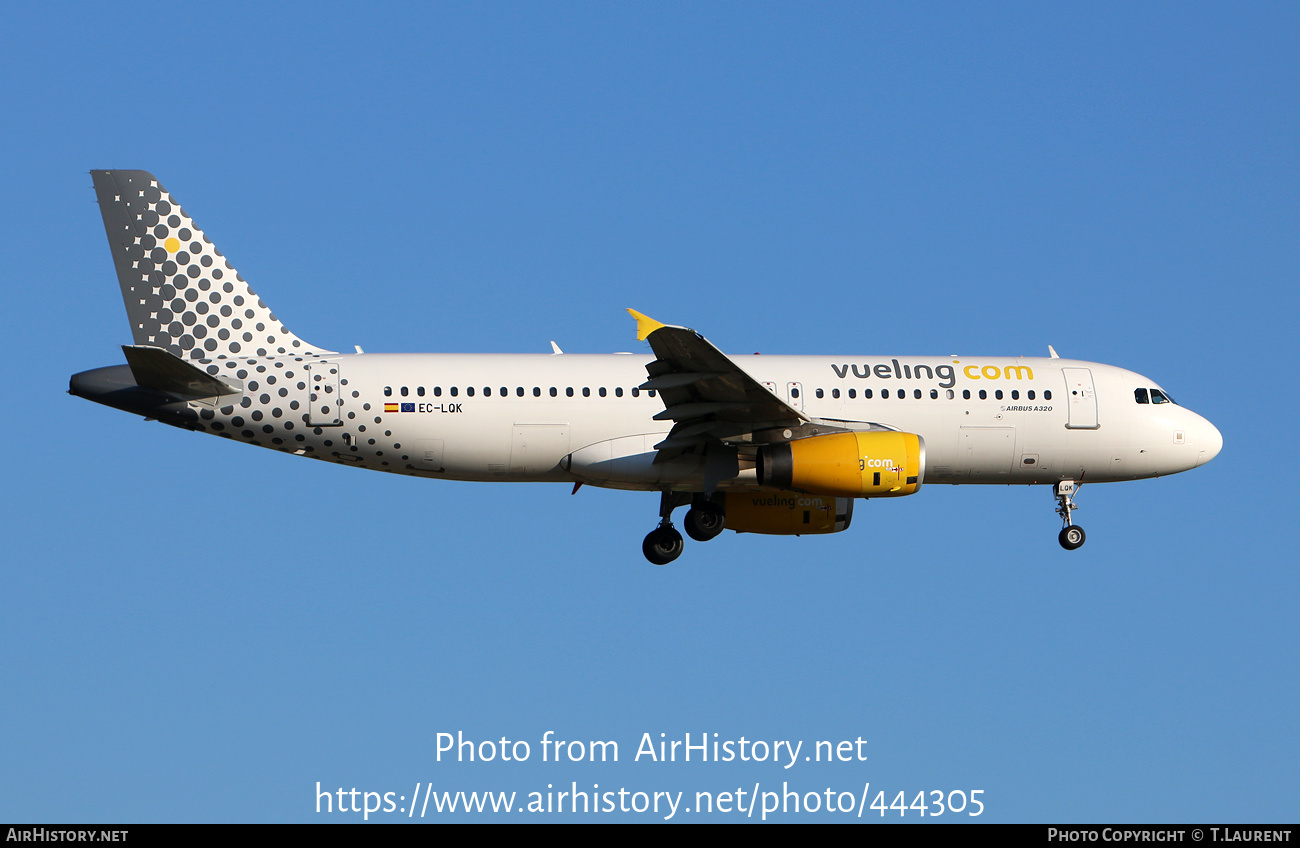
(181, 294)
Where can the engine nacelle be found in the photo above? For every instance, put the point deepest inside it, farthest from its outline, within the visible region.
(872, 464)
(785, 513)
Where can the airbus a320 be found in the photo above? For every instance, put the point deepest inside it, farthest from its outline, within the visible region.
(757, 444)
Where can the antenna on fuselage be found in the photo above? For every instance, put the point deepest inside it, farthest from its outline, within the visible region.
(1052, 351)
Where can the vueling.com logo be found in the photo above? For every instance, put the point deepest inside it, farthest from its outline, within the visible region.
(946, 374)
(993, 372)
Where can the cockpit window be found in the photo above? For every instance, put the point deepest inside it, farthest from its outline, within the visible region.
(1151, 396)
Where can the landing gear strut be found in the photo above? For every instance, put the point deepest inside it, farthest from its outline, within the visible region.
(664, 544)
(1071, 536)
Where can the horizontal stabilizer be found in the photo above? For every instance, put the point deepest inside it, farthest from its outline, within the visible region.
(156, 368)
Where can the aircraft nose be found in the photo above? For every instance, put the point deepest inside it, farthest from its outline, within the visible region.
(1210, 441)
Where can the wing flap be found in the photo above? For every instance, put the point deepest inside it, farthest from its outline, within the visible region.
(677, 381)
(704, 391)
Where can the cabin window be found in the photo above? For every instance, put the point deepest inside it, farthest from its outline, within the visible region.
(586, 392)
(636, 393)
(487, 391)
(404, 391)
(835, 393)
(437, 391)
(866, 393)
(519, 390)
(388, 391)
(618, 391)
(568, 392)
(821, 393)
(965, 394)
(469, 391)
(951, 394)
(505, 392)
(555, 392)
(602, 391)
(884, 393)
(916, 393)
(853, 393)
(998, 394)
(537, 391)
(934, 394)
(651, 392)
(453, 391)
(1030, 394)
(794, 393)
(1047, 395)
(1015, 394)
(420, 391)
(984, 395)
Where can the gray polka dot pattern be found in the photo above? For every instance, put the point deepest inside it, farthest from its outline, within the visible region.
(180, 292)
(183, 296)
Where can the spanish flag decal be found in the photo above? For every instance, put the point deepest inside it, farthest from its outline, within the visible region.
(390, 407)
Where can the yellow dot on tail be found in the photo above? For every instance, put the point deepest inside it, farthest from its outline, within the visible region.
(172, 245)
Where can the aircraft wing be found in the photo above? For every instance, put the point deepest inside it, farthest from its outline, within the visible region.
(706, 394)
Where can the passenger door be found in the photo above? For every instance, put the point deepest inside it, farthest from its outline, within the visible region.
(1082, 398)
(324, 399)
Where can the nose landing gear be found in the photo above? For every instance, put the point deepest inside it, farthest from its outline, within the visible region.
(1071, 537)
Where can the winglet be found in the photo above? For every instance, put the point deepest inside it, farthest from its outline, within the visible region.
(645, 325)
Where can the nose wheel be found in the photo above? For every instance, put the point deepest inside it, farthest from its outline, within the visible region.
(1072, 536)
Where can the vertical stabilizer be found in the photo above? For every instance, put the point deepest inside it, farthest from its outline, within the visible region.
(181, 294)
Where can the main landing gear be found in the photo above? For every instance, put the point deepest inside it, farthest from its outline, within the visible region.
(704, 521)
(1072, 536)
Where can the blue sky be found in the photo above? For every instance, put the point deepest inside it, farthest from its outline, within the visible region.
(196, 630)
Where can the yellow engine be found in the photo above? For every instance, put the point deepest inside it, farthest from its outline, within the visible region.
(786, 513)
(872, 464)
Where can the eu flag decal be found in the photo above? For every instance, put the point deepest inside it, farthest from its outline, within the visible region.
(408, 407)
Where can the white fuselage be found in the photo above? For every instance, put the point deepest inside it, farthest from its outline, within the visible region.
(526, 417)
(208, 354)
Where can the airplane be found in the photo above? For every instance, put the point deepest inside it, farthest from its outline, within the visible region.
(781, 445)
